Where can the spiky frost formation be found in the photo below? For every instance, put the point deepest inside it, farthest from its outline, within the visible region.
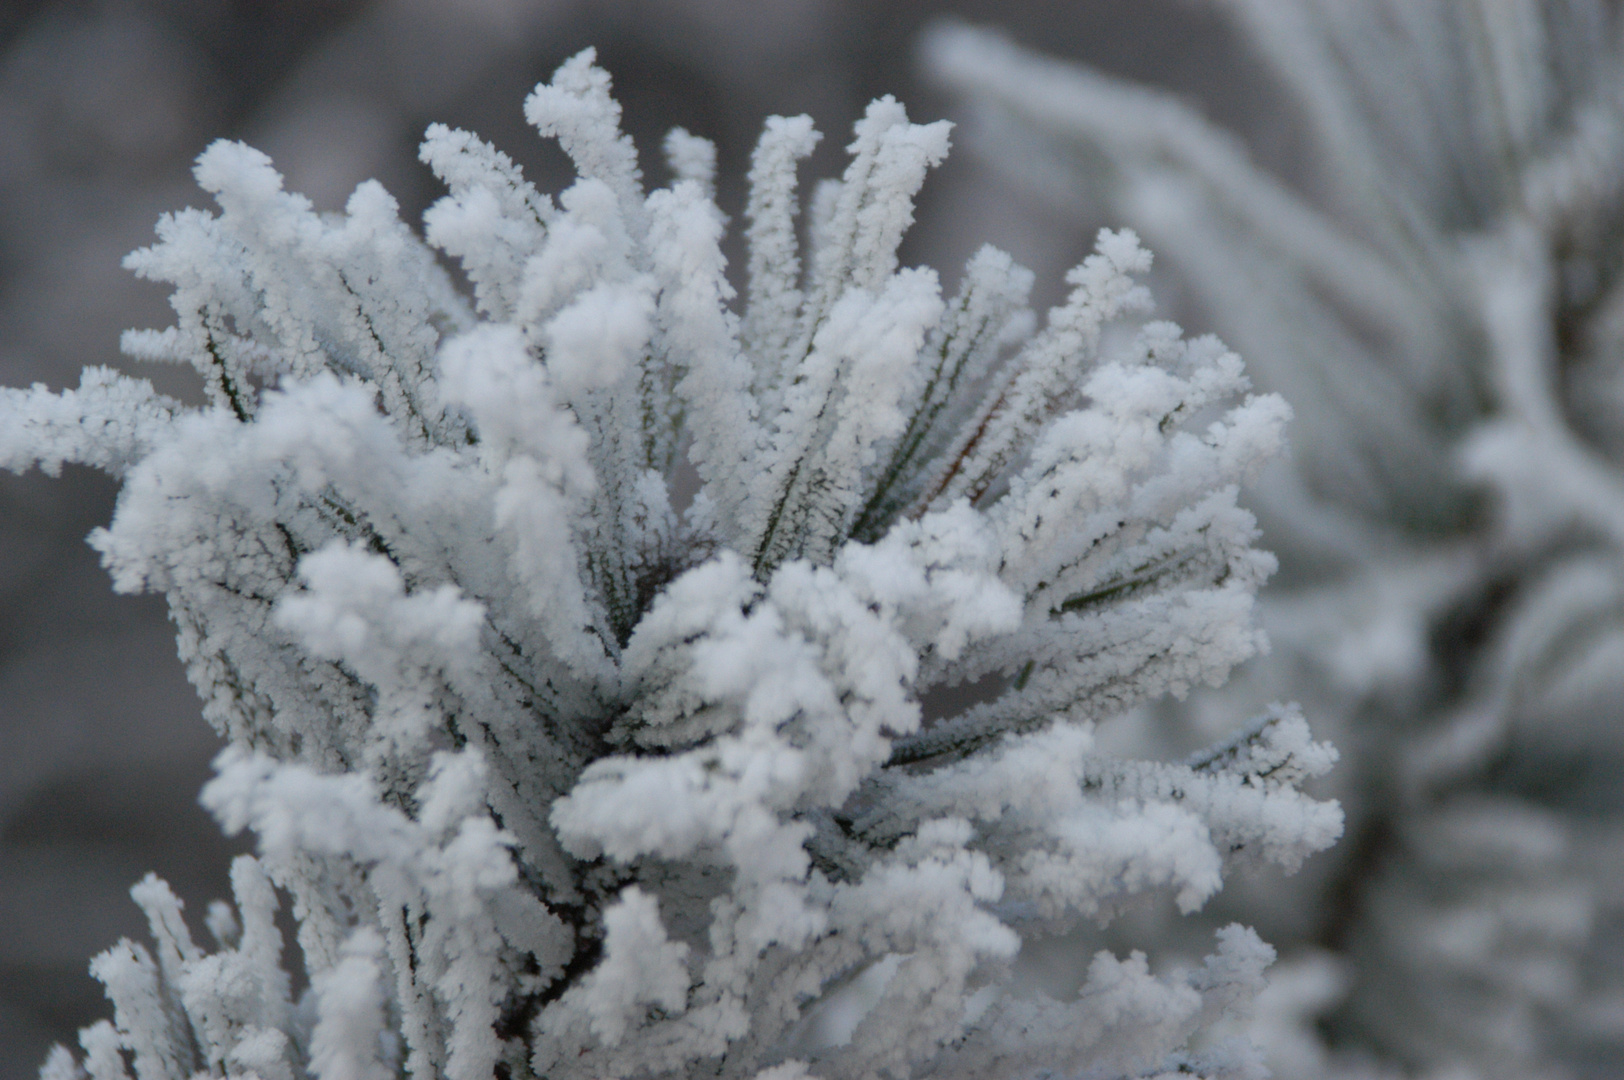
(565, 778)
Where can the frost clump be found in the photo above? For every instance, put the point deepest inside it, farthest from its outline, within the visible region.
(570, 770)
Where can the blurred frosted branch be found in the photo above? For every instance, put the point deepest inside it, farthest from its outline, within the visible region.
(1435, 293)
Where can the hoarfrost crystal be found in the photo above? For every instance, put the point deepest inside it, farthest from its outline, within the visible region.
(568, 773)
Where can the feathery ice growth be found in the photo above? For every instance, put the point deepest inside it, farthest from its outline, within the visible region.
(566, 774)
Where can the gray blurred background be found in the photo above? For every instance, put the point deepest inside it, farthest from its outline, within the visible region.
(104, 105)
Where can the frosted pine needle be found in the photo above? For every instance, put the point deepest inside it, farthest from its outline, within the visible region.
(568, 774)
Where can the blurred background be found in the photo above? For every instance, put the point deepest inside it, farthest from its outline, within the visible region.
(103, 107)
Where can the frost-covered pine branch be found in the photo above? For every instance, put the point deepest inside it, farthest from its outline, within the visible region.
(569, 773)
(1444, 315)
